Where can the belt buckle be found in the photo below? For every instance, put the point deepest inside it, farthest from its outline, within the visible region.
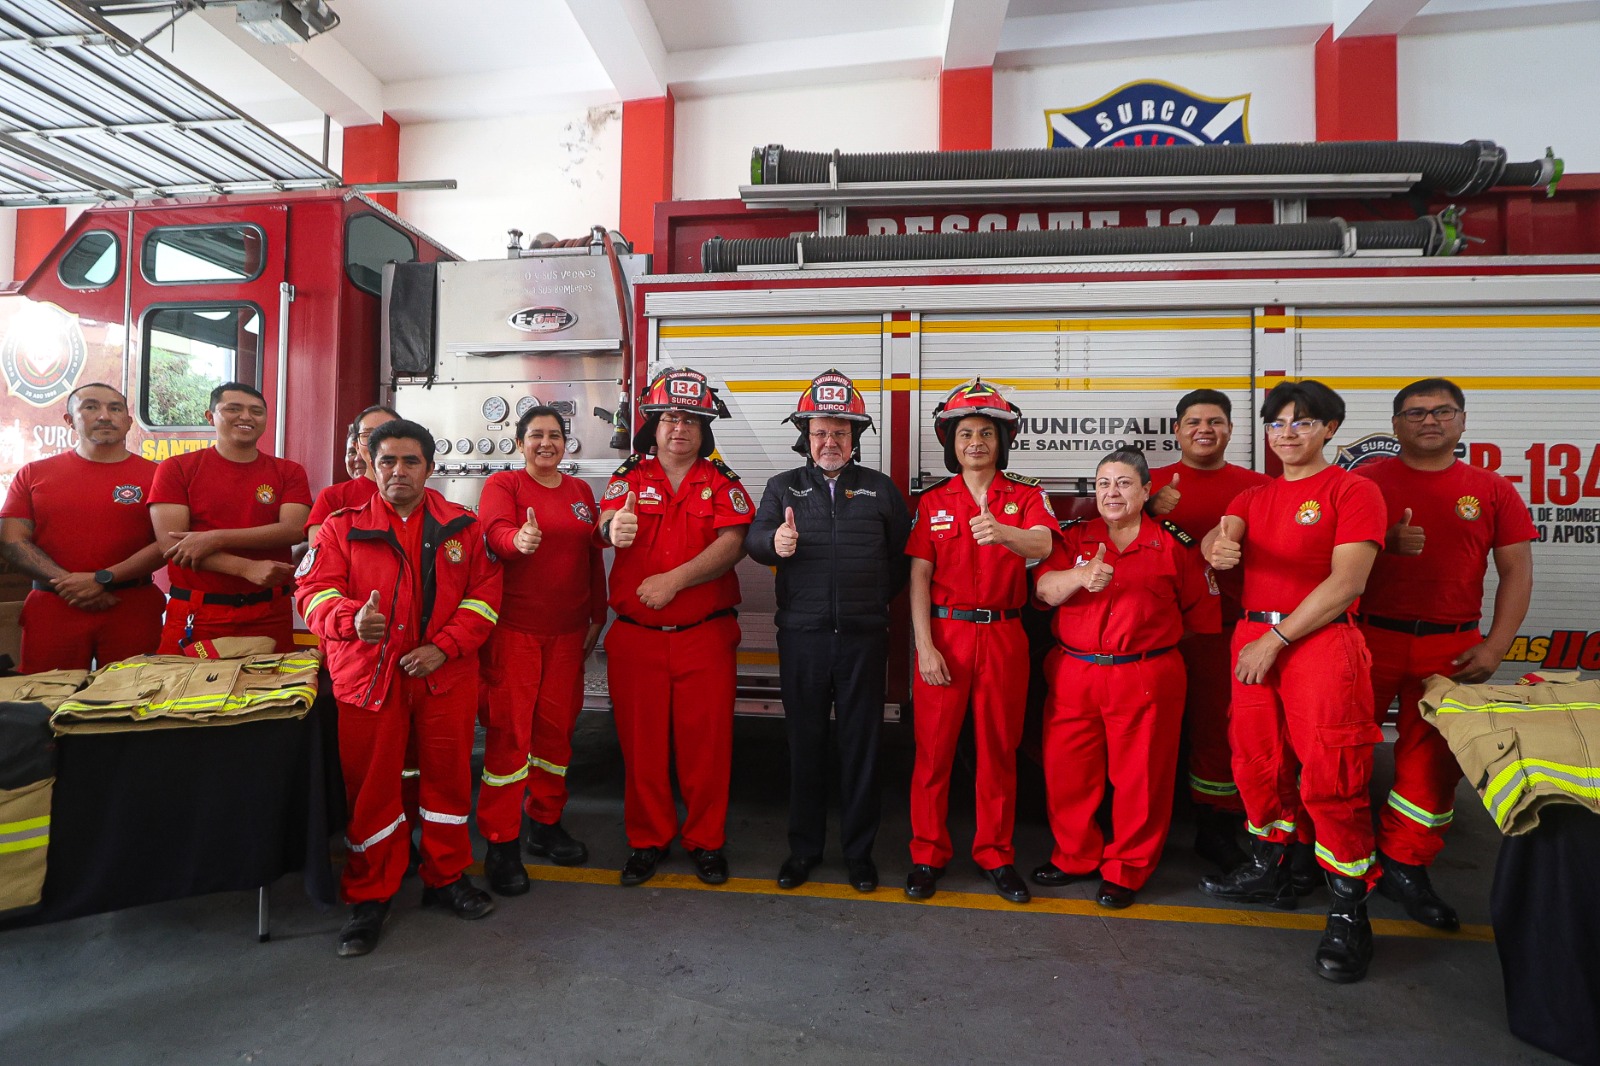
(1104, 660)
(982, 614)
(669, 629)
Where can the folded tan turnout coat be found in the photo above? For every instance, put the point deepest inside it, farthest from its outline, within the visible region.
(171, 691)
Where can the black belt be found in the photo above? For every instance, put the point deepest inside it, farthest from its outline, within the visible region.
(1416, 627)
(981, 615)
(1113, 660)
(231, 599)
(725, 612)
(115, 586)
(1272, 618)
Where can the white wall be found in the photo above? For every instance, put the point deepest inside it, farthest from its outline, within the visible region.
(1281, 81)
(1521, 88)
(714, 134)
(555, 173)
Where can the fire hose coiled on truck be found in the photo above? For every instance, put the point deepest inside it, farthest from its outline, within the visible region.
(1450, 169)
(1429, 235)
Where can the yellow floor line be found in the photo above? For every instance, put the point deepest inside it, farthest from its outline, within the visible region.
(1310, 919)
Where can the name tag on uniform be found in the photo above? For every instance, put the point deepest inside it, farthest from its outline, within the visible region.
(649, 494)
(940, 521)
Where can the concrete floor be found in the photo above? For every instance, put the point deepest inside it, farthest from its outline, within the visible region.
(584, 971)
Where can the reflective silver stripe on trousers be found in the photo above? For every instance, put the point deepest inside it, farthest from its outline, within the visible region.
(446, 819)
(376, 837)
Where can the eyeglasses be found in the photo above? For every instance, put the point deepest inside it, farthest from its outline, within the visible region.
(364, 436)
(1440, 414)
(829, 434)
(678, 420)
(1299, 425)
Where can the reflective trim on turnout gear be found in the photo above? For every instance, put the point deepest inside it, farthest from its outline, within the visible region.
(1502, 793)
(479, 607)
(500, 780)
(548, 767)
(1358, 868)
(24, 835)
(442, 819)
(380, 835)
(1282, 825)
(321, 598)
(1213, 788)
(1418, 814)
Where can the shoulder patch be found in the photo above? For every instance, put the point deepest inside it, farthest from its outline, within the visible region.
(724, 469)
(1177, 534)
(1019, 479)
(627, 465)
(1069, 523)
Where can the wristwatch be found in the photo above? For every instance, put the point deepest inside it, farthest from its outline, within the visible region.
(104, 578)
(605, 531)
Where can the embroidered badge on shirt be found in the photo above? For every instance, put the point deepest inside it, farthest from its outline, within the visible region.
(852, 493)
(582, 512)
(127, 494)
(1013, 507)
(1469, 508)
(1211, 582)
(452, 550)
(266, 493)
(800, 492)
(1309, 514)
(305, 564)
(736, 497)
(705, 494)
(616, 490)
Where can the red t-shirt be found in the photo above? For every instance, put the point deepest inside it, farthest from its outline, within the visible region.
(1465, 513)
(353, 493)
(674, 527)
(967, 575)
(86, 515)
(1157, 586)
(1292, 528)
(561, 588)
(1204, 496)
(223, 494)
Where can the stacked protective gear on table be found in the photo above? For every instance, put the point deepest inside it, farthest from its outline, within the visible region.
(1522, 746)
(27, 779)
(174, 691)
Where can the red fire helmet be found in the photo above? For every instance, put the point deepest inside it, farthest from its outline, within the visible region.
(976, 397)
(831, 395)
(683, 389)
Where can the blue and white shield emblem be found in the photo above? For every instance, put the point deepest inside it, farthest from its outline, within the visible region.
(1145, 113)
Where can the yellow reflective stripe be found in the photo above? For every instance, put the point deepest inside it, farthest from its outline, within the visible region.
(1431, 819)
(24, 835)
(25, 824)
(222, 704)
(1508, 786)
(376, 837)
(1261, 831)
(506, 779)
(1468, 384)
(548, 767)
(479, 607)
(1349, 869)
(1213, 788)
(443, 819)
(1457, 707)
(1478, 321)
(319, 599)
(7, 847)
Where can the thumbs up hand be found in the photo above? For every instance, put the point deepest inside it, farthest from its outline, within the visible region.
(1096, 573)
(625, 523)
(370, 623)
(1404, 538)
(1165, 501)
(986, 528)
(787, 537)
(1223, 550)
(528, 537)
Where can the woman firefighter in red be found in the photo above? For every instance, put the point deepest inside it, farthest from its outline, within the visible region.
(1125, 587)
(540, 523)
(1302, 694)
(969, 550)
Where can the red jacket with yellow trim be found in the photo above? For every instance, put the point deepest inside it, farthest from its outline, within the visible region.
(358, 552)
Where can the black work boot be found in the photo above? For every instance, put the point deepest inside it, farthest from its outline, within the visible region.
(360, 933)
(1261, 878)
(502, 867)
(1411, 887)
(1305, 874)
(1216, 836)
(551, 841)
(1346, 948)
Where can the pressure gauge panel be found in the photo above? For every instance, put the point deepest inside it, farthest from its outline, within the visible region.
(464, 446)
(507, 445)
(485, 446)
(443, 447)
(526, 404)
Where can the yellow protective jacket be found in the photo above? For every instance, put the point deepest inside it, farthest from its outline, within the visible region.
(1522, 746)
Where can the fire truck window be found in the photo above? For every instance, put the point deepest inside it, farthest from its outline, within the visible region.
(369, 243)
(91, 261)
(188, 254)
(188, 351)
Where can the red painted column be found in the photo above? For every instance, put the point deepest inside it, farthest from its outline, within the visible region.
(372, 153)
(38, 230)
(966, 109)
(1356, 88)
(647, 136)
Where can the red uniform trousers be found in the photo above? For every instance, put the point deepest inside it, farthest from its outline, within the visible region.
(1208, 661)
(535, 689)
(57, 636)
(274, 619)
(372, 752)
(988, 665)
(1312, 715)
(1120, 723)
(673, 698)
(1422, 803)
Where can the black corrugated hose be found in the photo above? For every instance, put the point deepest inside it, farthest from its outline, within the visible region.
(1430, 235)
(1450, 169)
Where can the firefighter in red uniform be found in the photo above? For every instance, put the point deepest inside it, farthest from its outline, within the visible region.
(1192, 493)
(1124, 587)
(362, 484)
(402, 592)
(969, 549)
(92, 601)
(1302, 694)
(540, 523)
(227, 517)
(1420, 617)
(676, 519)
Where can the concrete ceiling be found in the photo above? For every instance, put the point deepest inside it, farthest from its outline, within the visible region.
(430, 61)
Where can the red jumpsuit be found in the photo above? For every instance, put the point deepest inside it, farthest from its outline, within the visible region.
(988, 664)
(222, 494)
(64, 496)
(671, 671)
(533, 662)
(1205, 494)
(351, 493)
(1465, 512)
(1120, 721)
(436, 585)
(1313, 712)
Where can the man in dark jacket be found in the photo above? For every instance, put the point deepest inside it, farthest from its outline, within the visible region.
(836, 532)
